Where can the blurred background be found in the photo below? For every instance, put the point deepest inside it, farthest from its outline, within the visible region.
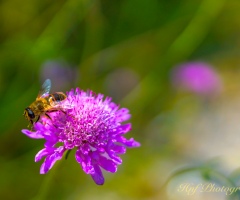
(174, 64)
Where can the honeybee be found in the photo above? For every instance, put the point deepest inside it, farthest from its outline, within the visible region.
(45, 103)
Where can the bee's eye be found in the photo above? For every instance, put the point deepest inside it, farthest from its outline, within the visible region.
(30, 113)
(32, 116)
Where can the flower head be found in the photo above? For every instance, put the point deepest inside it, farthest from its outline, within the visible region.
(93, 126)
(196, 77)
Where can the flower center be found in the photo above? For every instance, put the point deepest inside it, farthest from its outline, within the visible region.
(92, 124)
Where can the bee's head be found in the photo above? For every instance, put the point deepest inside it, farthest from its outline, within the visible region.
(28, 114)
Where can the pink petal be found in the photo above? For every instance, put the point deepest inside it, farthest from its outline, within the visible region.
(122, 111)
(123, 118)
(121, 130)
(113, 156)
(85, 161)
(44, 152)
(128, 143)
(97, 175)
(125, 128)
(122, 114)
(52, 139)
(117, 148)
(40, 127)
(106, 164)
(113, 107)
(51, 159)
(85, 148)
(35, 135)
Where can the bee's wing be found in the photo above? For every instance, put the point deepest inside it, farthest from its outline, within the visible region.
(44, 90)
(62, 105)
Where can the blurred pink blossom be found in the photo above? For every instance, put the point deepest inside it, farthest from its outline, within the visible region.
(196, 77)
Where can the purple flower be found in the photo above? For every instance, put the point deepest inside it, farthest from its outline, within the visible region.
(197, 77)
(96, 132)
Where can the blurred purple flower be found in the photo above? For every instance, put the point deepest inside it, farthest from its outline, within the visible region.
(196, 77)
(60, 73)
(94, 132)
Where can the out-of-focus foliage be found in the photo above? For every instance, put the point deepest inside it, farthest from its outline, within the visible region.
(127, 50)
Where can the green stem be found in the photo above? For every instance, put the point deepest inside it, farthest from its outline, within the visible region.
(69, 150)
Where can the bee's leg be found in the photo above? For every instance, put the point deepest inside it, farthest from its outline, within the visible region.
(37, 120)
(50, 119)
(68, 114)
(50, 111)
(31, 122)
(62, 111)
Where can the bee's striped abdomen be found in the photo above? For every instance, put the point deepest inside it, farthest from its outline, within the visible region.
(56, 97)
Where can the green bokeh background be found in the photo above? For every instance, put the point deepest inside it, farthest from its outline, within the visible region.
(102, 39)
